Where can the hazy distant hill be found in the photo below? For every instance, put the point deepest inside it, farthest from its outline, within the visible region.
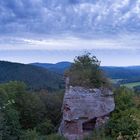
(128, 73)
(132, 72)
(58, 67)
(35, 77)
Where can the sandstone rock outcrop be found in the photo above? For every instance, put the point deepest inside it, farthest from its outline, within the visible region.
(84, 110)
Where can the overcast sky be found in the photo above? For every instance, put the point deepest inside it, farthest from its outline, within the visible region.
(58, 30)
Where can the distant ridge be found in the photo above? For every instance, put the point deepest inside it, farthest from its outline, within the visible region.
(59, 67)
(114, 72)
(35, 77)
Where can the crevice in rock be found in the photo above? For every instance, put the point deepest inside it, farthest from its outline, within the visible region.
(66, 107)
(89, 125)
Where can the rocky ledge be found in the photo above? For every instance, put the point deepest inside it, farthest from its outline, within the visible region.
(84, 110)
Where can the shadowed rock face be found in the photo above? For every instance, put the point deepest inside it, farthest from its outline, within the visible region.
(84, 110)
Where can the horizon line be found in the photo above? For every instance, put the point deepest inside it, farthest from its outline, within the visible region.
(66, 62)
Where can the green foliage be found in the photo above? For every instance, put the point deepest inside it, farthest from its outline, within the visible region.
(137, 90)
(29, 106)
(99, 134)
(22, 111)
(9, 116)
(30, 135)
(53, 104)
(122, 121)
(46, 127)
(55, 137)
(12, 89)
(34, 135)
(11, 127)
(85, 71)
(31, 109)
(125, 124)
(123, 99)
(3, 98)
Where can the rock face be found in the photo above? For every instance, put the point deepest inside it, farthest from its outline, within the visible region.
(84, 110)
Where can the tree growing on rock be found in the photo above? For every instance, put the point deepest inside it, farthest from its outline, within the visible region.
(86, 72)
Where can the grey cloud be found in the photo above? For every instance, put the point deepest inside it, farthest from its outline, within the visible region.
(74, 16)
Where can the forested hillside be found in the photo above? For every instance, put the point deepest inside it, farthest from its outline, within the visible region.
(35, 77)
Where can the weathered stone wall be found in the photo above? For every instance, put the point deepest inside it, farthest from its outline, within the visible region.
(84, 110)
